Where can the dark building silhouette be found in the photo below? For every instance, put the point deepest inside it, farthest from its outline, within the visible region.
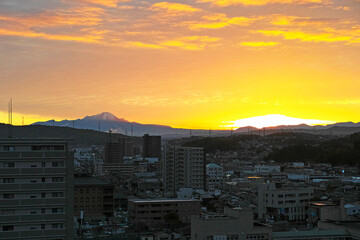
(93, 196)
(151, 146)
(115, 151)
(36, 190)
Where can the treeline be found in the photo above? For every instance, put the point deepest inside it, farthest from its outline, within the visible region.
(340, 151)
(213, 144)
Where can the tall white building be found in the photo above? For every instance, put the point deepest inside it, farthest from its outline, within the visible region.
(214, 176)
(36, 190)
(184, 167)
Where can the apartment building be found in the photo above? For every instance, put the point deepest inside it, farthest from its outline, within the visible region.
(214, 176)
(152, 211)
(94, 197)
(184, 167)
(36, 190)
(285, 203)
(233, 224)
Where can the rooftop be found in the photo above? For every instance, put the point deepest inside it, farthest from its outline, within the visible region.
(90, 181)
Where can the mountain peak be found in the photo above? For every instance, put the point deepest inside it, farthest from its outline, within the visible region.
(105, 116)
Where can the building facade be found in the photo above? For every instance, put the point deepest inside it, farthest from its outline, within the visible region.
(287, 204)
(184, 167)
(233, 224)
(214, 176)
(152, 211)
(36, 190)
(94, 197)
(116, 150)
(151, 146)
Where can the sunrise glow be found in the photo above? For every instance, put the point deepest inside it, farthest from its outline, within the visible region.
(273, 120)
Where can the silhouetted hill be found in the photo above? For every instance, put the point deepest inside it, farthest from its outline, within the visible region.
(78, 136)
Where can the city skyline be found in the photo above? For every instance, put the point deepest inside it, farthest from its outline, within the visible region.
(188, 64)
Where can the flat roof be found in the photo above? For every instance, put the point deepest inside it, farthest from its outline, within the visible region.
(162, 200)
(90, 181)
(311, 233)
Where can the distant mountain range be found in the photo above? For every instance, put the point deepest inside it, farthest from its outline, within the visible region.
(107, 121)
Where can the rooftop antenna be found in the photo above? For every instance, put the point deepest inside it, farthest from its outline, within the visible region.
(110, 135)
(99, 126)
(231, 132)
(73, 123)
(190, 133)
(132, 130)
(53, 122)
(23, 121)
(10, 118)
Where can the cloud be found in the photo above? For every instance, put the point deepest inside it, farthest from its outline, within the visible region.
(258, 44)
(308, 37)
(214, 21)
(143, 45)
(88, 16)
(174, 8)
(30, 34)
(105, 3)
(225, 3)
(191, 42)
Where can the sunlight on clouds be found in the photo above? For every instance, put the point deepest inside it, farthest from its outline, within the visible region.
(84, 39)
(143, 45)
(105, 3)
(307, 37)
(174, 8)
(213, 21)
(259, 44)
(191, 42)
(225, 3)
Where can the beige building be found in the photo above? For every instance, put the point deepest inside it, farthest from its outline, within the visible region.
(152, 211)
(184, 167)
(288, 204)
(36, 190)
(234, 224)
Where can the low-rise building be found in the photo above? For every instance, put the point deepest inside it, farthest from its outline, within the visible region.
(152, 211)
(289, 204)
(234, 224)
(94, 197)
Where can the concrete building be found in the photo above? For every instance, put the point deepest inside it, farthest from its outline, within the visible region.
(151, 146)
(214, 176)
(152, 211)
(36, 190)
(289, 204)
(234, 224)
(115, 151)
(183, 167)
(94, 197)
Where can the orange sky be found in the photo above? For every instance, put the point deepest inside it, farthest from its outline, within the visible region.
(193, 64)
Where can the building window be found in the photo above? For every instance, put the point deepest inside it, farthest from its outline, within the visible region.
(9, 148)
(8, 196)
(57, 194)
(43, 164)
(42, 226)
(43, 210)
(43, 195)
(9, 165)
(8, 228)
(8, 180)
(43, 179)
(57, 179)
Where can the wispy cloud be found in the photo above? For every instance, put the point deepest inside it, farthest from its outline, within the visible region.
(225, 3)
(258, 44)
